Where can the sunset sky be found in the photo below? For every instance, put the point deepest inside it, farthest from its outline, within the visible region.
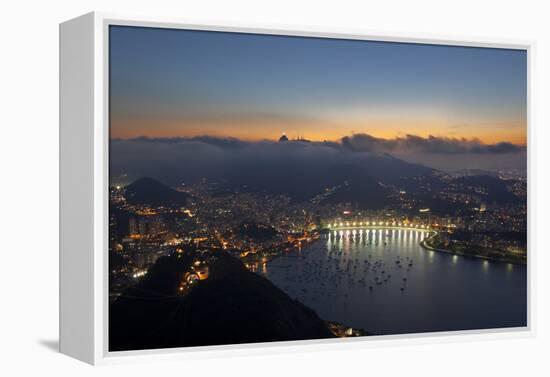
(168, 83)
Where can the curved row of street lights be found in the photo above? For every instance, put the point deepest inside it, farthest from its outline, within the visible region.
(355, 224)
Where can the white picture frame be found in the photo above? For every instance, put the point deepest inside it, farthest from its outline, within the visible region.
(84, 141)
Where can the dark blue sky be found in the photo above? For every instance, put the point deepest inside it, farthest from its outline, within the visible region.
(167, 82)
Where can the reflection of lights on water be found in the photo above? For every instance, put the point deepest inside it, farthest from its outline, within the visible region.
(424, 262)
(509, 267)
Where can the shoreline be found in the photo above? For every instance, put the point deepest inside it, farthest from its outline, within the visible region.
(304, 247)
(424, 245)
(339, 327)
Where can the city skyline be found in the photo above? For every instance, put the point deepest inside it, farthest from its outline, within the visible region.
(272, 188)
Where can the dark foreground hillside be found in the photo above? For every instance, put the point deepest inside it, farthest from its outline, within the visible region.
(232, 306)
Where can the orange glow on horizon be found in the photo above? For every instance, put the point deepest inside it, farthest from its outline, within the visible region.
(488, 133)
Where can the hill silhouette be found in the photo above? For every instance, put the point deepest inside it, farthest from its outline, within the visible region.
(232, 306)
(495, 188)
(152, 192)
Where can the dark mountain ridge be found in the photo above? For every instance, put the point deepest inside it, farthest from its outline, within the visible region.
(495, 189)
(232, 306)
(358, 180)
(151, 192)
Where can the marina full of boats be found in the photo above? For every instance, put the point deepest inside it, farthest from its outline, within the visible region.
(381, 280)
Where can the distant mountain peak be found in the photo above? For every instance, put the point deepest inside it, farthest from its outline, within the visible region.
(149, 191)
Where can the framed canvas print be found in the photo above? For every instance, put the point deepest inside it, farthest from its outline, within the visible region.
(227, 188)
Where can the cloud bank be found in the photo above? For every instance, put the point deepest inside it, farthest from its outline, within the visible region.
(174, 160)
(429, 145)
